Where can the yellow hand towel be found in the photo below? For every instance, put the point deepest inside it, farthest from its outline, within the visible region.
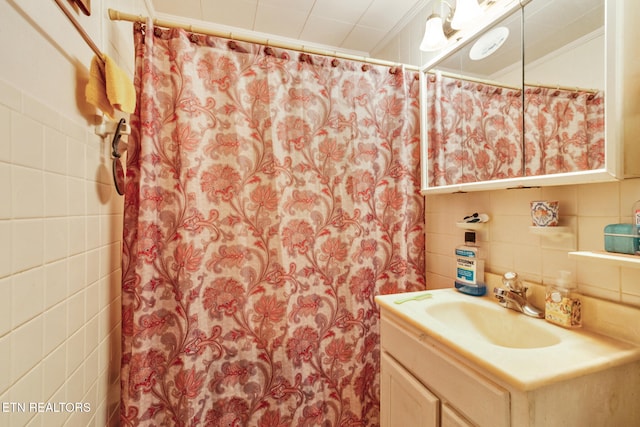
(96, 90)
(109, 87)
(120, 89)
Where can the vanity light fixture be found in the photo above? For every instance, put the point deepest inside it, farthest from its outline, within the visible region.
(462, 14)
(434, 38)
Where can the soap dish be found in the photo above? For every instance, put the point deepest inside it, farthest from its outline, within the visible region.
(475, 221)
(470, 225)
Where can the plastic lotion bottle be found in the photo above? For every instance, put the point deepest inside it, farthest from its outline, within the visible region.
(562, 305)
(469, 267)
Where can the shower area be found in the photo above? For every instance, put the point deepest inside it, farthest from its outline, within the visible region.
(270, 195)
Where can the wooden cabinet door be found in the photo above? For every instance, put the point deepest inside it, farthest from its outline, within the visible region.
(451, 418)
(404, 401)
(451, 381)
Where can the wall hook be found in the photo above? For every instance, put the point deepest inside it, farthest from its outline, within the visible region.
(117, 168)
(117, 134)
(108, 128)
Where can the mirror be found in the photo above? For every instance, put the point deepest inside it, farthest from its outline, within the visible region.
(564, 94)
(474, 108)
(520, 100)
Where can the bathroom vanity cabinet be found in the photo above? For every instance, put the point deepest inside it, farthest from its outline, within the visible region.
(425, 383)
(422, 385)
(407, 402)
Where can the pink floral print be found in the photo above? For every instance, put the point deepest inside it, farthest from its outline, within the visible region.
(475, 131)
(270, 196)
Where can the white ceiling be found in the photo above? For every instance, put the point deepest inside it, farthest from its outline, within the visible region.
(355, 26)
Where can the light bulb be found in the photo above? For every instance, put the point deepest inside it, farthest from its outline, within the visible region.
(434, 38)
(466, 11)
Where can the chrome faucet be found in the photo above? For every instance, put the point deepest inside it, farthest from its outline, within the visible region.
(514, 296)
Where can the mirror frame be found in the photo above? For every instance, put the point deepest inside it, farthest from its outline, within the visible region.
(613, 165)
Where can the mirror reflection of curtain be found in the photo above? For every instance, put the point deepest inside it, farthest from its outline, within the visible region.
(270, 196)
(564, 130)
(473, 130)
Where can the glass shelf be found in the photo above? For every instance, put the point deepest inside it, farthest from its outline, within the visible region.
(554, 233)
(470, 225)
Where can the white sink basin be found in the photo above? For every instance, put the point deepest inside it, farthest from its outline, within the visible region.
(524, 351)
(496, 324)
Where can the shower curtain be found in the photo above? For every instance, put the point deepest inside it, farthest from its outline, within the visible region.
(564, 130)
(270, 196)
(475, 131)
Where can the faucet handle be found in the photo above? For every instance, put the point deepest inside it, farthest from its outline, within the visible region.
(511, 281)
(500, 293)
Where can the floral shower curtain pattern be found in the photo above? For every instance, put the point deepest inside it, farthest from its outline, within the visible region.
(475, 131)
(564, 130)
(270, 196)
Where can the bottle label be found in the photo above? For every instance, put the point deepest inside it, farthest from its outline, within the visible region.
(636, 221)
(466, 266)
(465, 253)
(563, 311)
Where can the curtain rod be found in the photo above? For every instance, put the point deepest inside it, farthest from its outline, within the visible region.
(81, 30)
(560, 87)
(116, 15)
(502, 85)
(472, 79)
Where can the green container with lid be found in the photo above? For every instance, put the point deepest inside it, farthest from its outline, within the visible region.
(622, 239)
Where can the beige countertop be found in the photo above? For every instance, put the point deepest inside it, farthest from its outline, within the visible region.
(573, 352)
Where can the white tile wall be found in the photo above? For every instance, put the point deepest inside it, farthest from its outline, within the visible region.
(51, 268)
(60, 221)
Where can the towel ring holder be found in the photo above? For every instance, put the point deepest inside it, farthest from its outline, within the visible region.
(116, 167)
